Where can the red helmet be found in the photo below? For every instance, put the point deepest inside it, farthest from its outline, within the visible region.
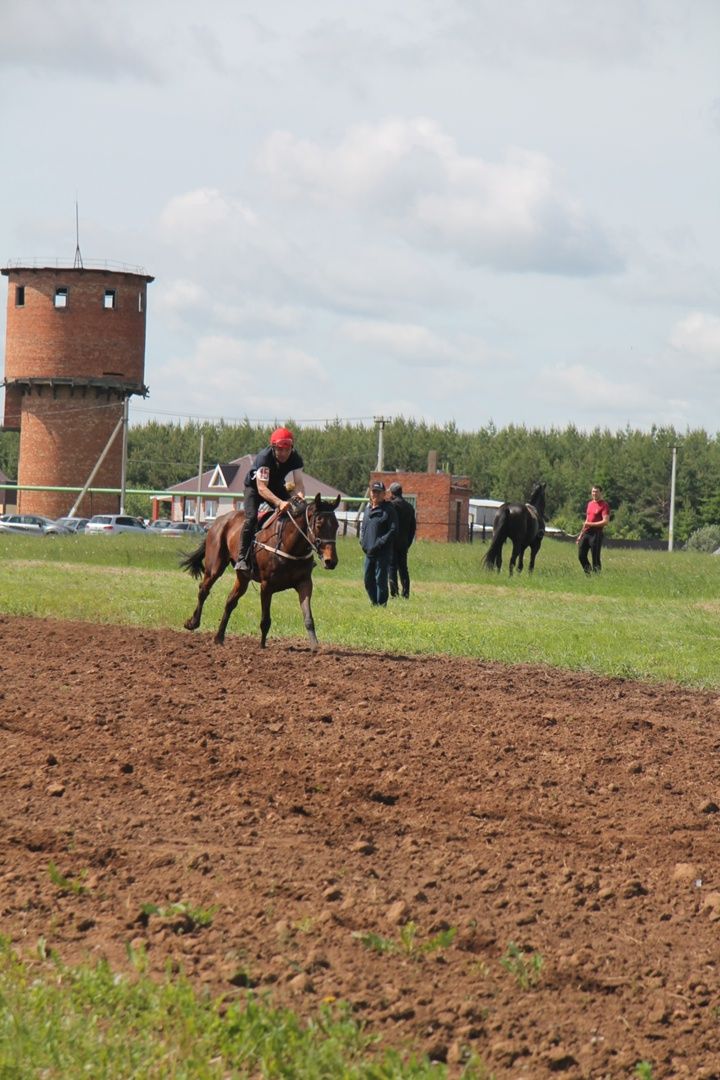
(282, 436)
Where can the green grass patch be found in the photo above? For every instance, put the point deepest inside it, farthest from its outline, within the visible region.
(59, 1022)
(650, 615)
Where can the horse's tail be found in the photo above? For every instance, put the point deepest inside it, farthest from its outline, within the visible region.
(493, 560)
(194, 563)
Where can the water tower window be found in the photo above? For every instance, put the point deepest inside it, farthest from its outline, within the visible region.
(109, 300)
(140, 301)
(19, 296)
(61, 297)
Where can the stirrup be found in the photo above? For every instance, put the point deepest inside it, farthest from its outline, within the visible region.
(242, 565)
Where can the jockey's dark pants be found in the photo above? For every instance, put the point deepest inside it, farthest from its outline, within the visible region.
(251, 502)
(376, 577)
(399, 568)
(591, 542)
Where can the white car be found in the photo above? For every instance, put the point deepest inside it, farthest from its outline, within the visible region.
(111, 524)
(32, 524)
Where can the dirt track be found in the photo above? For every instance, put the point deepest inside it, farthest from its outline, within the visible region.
(310, 799)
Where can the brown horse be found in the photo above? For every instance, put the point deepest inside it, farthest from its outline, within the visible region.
(284, 552)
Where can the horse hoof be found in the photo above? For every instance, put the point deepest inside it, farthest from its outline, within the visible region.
(219, 640)
(190, 625)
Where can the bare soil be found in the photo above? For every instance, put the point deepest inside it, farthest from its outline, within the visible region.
(313, 799)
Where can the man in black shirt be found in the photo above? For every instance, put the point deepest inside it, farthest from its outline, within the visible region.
(403, 539)
(377, 534)
(266, 483)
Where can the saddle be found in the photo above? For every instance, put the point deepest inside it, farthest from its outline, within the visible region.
(268, 515)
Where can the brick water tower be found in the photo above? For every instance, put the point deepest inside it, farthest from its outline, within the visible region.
(74, 354)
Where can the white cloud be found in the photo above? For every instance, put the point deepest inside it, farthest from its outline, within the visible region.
(560, 30)
(224, 362)
(509, 215)
(202, 214)
(184, 302)
(697, 338)
(409, 342)
(580, 387)
(78, 37)
(230, 377)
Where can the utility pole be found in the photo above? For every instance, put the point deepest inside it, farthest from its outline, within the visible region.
(123, 466)
(671, 523)
(380, 422)
(200, 474)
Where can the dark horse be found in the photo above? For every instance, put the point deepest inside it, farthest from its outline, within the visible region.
(284, 552)
(524, 524)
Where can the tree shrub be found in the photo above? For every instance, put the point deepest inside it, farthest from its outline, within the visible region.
(706, 538)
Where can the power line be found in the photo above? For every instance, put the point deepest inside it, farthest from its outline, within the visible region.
(260, 422)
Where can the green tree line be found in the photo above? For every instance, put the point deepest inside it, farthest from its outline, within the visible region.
(633, 467)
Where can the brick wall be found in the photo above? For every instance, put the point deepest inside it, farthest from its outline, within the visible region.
(62, 435)
(65, 428)
(83, 339)
(442, 502)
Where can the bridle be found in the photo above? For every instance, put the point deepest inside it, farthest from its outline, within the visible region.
(315, 542)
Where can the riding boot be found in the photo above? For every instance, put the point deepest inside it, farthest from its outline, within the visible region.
(243, 564)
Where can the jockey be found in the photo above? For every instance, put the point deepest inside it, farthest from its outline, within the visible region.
(267, 481)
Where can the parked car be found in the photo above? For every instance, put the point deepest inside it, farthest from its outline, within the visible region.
(182, 528)
(110, 524)
(32, 524)
(160, 525)
(73, 524)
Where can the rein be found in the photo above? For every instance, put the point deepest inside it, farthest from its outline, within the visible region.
(313, 540)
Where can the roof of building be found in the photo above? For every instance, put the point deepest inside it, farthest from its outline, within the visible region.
(229, 479)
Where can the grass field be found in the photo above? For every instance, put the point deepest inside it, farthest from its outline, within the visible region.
(650, 615)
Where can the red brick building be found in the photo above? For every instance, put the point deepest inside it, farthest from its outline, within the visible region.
(75, 351)
(442, 501)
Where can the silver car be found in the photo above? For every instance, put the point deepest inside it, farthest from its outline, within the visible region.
(182, 528)
(73, 524)
(111, 524)
(32, 525)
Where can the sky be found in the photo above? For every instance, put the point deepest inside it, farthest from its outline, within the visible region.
(454, 211)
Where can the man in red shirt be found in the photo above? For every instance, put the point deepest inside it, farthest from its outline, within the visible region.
(597, 515)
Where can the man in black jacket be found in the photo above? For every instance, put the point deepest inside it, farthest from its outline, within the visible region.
(377, 535)
(403, 539)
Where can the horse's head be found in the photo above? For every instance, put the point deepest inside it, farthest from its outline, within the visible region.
(322, 528)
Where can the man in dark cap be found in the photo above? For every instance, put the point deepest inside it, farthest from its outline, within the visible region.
(403, 539)
(377, 535)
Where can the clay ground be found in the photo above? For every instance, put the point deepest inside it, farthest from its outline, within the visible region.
(310, 799)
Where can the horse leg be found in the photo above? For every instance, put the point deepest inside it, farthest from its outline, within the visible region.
(304, 591)
(521, 558)
(514, 558)
(239, 589)
(203, 592)
(265, 620)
